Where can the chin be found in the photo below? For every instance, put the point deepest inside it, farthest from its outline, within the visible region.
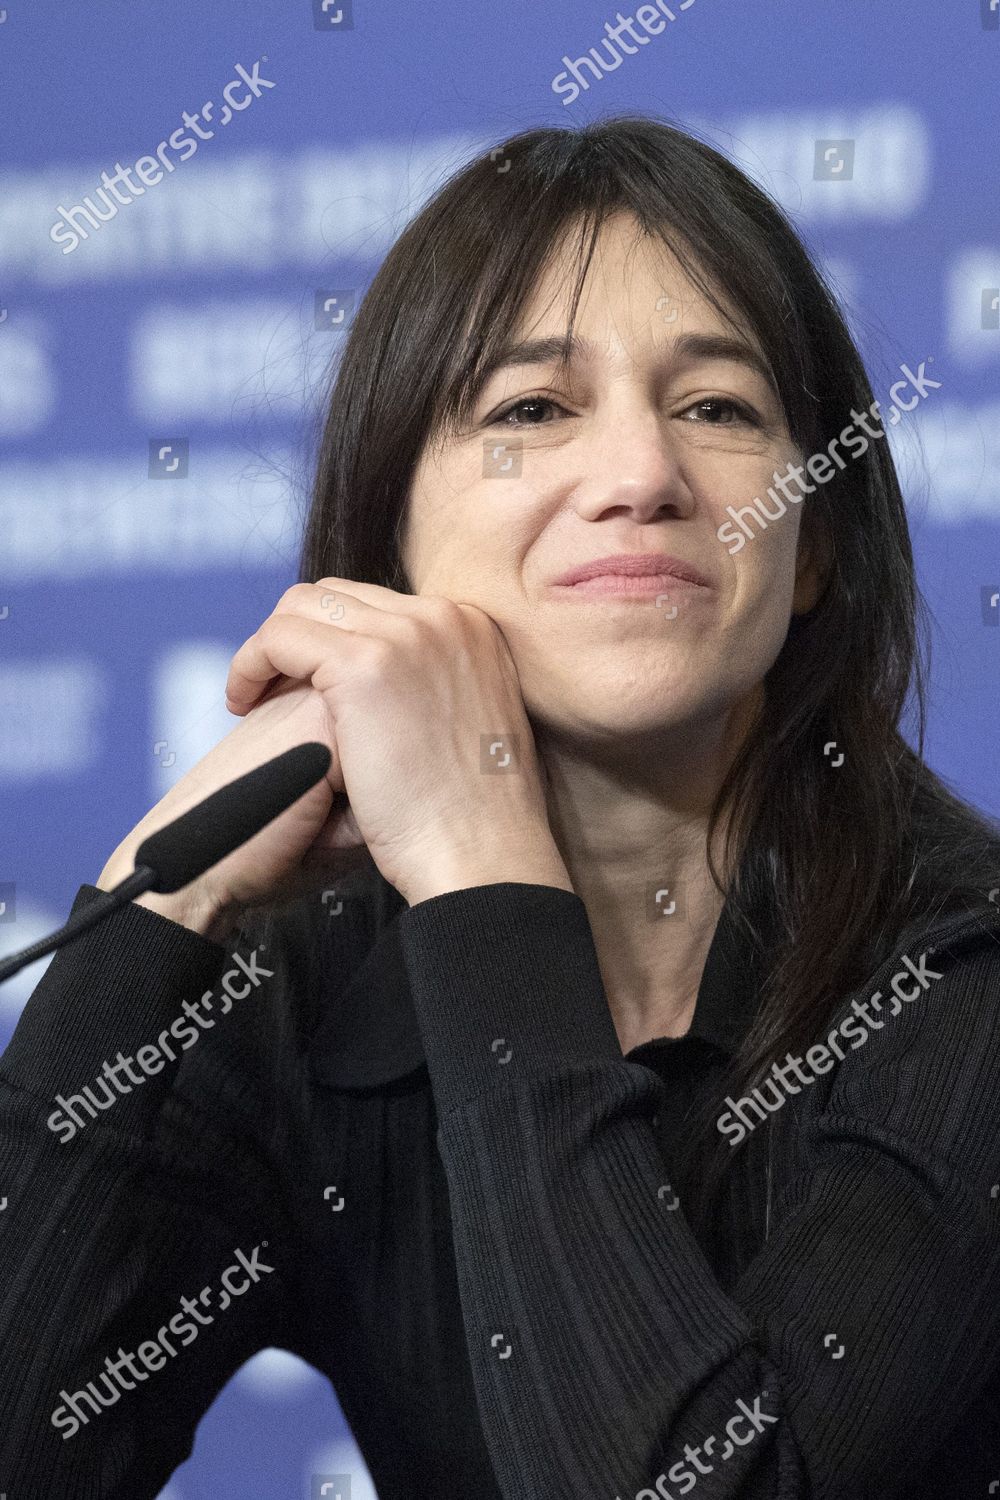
(619, 716)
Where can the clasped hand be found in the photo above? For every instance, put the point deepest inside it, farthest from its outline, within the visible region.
(431, 741)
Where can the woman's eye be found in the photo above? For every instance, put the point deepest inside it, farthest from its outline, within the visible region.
(717, 403)
(536, 401)
(744, 413)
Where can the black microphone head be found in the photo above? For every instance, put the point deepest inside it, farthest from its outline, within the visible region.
(199, 838)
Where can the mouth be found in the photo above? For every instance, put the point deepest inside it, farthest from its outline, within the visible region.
(626, 586)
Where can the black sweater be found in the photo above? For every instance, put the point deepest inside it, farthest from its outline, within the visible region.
(414, 1155)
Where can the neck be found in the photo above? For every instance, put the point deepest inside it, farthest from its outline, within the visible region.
(635, 847)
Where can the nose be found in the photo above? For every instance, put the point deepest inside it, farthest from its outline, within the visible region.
(633, 465)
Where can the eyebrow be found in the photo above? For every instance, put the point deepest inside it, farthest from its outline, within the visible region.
(685, 349)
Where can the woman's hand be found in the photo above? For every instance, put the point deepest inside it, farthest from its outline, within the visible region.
(435, 751)
(307, 847)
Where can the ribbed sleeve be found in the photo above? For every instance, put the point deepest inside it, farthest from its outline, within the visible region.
(608, 1361)
(105, 1232)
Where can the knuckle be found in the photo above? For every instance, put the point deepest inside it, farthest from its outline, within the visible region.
(296, 593)
(444, 613)
(412, 629)
(373, 654)
(445, 606)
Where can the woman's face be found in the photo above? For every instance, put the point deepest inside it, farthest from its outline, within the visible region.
(621, 455)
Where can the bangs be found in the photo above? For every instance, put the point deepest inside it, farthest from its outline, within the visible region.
(513, 267)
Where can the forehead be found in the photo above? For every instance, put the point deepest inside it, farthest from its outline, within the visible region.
(636, 294)
(634, 279)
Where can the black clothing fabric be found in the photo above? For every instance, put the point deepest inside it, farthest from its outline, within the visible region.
(421, 1123)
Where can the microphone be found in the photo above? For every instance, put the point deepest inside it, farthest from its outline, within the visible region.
(172, 857)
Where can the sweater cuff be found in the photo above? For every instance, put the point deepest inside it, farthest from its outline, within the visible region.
(109, 991)
(505, 984)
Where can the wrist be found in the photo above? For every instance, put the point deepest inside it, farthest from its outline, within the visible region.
(209, 921)
(535, 865)
(193, 907)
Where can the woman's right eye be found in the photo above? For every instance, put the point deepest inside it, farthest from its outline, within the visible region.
(501, 416)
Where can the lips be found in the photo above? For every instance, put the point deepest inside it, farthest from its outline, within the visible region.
(621, 586)
(633, 565)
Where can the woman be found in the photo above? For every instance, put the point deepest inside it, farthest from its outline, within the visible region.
(605, 1087)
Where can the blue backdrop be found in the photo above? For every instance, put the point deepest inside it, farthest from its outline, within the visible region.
(160, 367)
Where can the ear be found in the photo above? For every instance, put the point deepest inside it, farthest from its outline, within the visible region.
(813, 561)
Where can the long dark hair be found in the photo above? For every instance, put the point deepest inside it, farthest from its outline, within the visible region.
(826, 867)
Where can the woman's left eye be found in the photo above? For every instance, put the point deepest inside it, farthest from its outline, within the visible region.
(502, 416)
(745, 413)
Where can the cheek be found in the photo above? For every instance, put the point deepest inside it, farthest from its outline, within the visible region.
(763, 593)
(463, 564)
(475, 545)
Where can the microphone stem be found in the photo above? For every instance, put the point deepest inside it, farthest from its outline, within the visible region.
(141, 879)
